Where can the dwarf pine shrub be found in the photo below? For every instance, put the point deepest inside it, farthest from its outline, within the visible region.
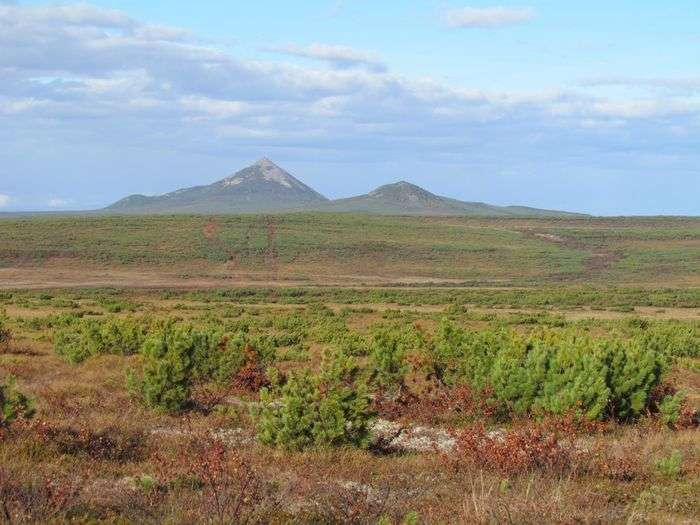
(123, 335)
(219, 356)
(329, 408)
(518, 373)
(168, 360)
(673, 339)
(387, 359)
(78, 341)
(633, 370)
(177, 357)
(459, 355)
(173, 359)
(552, 371)
(81, 339)
(671, 466)
(13, 404)
(670, 408)
(575, 377)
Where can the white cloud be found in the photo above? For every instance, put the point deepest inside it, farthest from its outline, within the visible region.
(84, 75)
(678, 84)
(487, 16)
(338, 56)
(4, 200)
(56, 203)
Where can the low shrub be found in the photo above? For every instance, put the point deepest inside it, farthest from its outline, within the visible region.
(123, 335)
(51, 321)
(671, 407)
(672, 465)
(14, 405)
(178, 357)
(37, 498)
(330, 408)
(115, 306)
(513, 452)
(5, 337)
(169, 361)
(229, 489)
(672, 339)
(78, 341)
(112, 443)
(81, 339)
(441, 405)
(387, 359)
(551, 371)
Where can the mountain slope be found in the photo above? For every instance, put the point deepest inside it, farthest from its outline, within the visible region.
(404, 198)
(264, 186)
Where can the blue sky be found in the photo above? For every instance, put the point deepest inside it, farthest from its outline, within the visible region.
(587, 106)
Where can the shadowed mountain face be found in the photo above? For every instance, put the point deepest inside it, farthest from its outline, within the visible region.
(265, 187)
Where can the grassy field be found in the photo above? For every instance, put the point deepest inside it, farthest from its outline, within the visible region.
(318, 368)
(348, 249)
(437, 450)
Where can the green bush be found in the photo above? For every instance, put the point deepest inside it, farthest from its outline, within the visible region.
(670, 408)
(330, 408)
(575, 377)
(352, 343)
(632, 372)
(387, 358)
(180, 356)
(673, 339)
(519, 372)
(51, 321)
(13, 404)
(218, 356)
(123, 335)
(78, 341)
(552, 371)
(463, 356)
(671, 466)
(168, 360)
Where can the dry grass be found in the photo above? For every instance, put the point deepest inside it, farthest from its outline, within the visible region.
(92, 455)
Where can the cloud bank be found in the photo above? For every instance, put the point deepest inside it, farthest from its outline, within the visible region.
(341, 57)
(83, 75)
(487, 16)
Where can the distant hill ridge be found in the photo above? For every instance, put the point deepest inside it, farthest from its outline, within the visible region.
(265, 187)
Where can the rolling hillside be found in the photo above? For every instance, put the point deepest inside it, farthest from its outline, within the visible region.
(404, 198)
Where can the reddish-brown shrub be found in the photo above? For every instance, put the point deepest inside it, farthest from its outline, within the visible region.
(227, 488)
(35, 500)
(514, 451)
(112, 443)
(5, 338)
(251, 377)
(439, 404)
(248, 380)
(571, 424)
(618, 468)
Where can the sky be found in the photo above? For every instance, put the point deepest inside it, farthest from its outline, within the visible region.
(583, 106)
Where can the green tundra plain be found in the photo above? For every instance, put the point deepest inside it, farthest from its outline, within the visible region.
(338, 368)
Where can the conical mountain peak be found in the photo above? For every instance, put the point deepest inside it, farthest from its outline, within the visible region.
(264, 162)
(264, 186)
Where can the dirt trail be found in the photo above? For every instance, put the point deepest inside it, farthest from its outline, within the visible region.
(599, 260)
